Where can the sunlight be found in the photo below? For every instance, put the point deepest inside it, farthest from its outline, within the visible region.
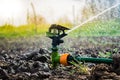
(10, 8)
(58, 8)
(15, 11)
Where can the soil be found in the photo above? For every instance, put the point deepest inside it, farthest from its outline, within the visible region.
(29, 59)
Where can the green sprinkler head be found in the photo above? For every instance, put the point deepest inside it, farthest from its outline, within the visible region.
(56, 32)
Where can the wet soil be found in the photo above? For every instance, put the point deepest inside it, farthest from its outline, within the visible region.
(29, 59)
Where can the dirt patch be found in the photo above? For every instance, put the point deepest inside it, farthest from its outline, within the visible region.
(116, 63)
(104, 71)
(25, 59)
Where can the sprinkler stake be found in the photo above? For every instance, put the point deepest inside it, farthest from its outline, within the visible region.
(56, 33)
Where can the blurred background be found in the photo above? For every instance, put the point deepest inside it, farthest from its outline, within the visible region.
(22, 18)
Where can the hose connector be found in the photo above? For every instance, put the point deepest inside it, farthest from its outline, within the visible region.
(64, 59)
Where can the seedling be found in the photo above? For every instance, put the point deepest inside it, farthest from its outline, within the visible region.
(105, 55)
(79, 67)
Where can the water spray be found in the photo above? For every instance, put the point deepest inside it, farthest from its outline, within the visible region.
(90, 19)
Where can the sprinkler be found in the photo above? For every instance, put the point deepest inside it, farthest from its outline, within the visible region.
(56, 33)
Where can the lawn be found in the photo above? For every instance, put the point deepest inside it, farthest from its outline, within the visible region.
(23, 30)
(98, 28)
(94, 28)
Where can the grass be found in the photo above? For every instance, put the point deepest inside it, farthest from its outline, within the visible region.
(11, 31)
(108, 54)
(23, 30)
(99, 28)
(94, 28)
(79, 67)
